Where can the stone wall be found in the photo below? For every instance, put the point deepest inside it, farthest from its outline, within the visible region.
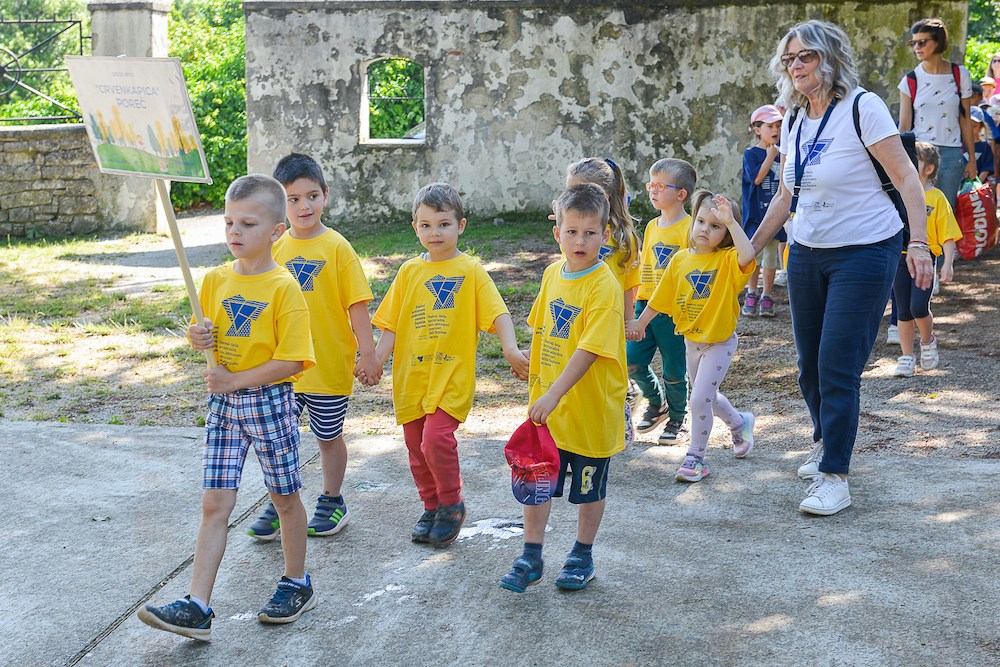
(516, 90)
(50, 186)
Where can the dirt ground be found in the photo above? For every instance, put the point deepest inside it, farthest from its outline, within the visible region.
(121, 378)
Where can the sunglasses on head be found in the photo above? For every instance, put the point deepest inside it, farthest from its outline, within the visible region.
(920, 42)
(804, 56)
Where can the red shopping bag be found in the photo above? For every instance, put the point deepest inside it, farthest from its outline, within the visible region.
(976, 211)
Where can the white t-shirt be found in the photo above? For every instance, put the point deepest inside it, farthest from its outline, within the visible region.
(841, 202)
(935, 111)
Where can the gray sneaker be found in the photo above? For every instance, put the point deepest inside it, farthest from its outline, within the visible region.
(810, 469)
(183, 617)
(653, 415)
(674, 432)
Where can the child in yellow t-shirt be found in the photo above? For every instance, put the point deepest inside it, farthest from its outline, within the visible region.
(337, 293)
(621, 252)
(913, 304)
(430, 321)
(262, 345)
(671, 182)
(700, 290)
(577, 381)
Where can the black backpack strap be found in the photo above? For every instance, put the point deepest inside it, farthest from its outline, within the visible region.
(887, 187)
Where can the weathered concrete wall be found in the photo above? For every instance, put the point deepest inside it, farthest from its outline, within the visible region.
(516, 90)
(50, 186)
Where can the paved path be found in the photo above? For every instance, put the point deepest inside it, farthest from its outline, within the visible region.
(723, 572)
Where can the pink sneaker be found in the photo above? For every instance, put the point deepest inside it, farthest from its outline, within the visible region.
(743, 436)
(692, 470)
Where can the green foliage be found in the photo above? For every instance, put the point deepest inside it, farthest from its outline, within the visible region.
(396, 97)
(984, 20)
(208, 37)
(977, 56)
(18, 39)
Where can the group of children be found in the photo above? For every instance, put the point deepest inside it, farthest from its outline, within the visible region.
(288, 322)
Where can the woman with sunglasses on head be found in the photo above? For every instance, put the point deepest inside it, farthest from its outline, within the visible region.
(935, 101)
(993, 72)
(847, 237)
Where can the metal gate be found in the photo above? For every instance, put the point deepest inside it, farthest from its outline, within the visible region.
(32, 67)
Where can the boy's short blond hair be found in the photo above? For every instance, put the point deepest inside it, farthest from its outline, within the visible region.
(440, 197)
(678, 170)
(268, 191)
(586, 198)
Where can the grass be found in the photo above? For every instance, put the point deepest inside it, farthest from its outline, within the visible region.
(75, 346)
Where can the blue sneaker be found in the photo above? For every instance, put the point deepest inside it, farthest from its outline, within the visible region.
(447, 524)
(422, 531)
(330, 517)
(182, 617)
(576, 573)
(267, 526)
(522, 574)
(289, 601)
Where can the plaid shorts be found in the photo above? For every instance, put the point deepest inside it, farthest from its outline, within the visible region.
(266, 417)
(326, 414)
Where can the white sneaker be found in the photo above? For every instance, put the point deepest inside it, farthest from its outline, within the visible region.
(929, 356)
(907, 364)
(828, 495)
(743, 436)
(810, 469)
(892, 335)
(781, 278)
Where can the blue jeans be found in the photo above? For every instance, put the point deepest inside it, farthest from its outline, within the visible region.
(949, 175)
(837, 297)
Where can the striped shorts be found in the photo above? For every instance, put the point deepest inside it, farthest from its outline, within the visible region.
(326, 414)
(265, 417)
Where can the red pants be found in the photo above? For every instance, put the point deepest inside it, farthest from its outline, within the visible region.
(434, 458)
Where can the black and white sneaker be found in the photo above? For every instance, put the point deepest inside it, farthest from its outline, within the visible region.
(653, 415)
(289, 601)
(674, 432)
(182, 617)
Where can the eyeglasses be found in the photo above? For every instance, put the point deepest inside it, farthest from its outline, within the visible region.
(805, 57)
(920, 42)
(653, 186)
(995, 60)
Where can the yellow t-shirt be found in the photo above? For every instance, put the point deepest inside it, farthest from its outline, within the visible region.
(330, 275)
(627, 277)
(701, 294)
(257, 318)
(941, 223)
(581, 314)
(659, 244)
(437, 310)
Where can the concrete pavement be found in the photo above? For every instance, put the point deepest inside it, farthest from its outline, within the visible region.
(723, 572)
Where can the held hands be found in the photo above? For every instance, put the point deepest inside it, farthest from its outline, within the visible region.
(202, 337)
(633, 331)
(518, 360)
(368, 370)
(540, 410)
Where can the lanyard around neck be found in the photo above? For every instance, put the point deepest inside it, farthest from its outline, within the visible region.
(800, 164)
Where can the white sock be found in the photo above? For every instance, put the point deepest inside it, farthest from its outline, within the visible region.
(304, 581)
(201, 604)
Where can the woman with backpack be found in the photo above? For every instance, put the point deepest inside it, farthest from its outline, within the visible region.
(935, 99)
(847, 236)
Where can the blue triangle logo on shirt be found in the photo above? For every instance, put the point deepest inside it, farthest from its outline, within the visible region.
(444, 290)
(605, 251)
(663, 253)
(305, 271)
(563, 315)
(815, 150)
(930, 209)
(701, 282)
(242, 312)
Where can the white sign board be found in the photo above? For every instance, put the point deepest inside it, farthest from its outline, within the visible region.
(139, 118)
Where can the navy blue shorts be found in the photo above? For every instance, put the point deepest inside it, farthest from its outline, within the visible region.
(588, 477)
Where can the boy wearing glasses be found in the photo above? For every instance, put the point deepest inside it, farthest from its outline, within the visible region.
(671, 182)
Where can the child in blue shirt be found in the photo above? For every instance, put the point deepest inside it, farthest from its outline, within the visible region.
(760, 183)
